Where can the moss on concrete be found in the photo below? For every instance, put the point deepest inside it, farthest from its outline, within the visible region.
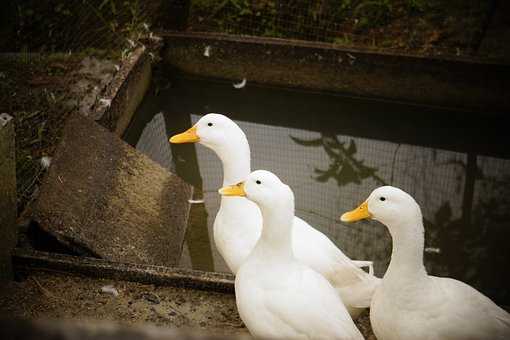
(101, 197)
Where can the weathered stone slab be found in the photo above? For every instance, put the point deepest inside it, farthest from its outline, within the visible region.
(102, 197)
(7, 195)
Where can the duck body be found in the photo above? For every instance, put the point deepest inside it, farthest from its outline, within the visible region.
(436, 308)
(288, 300)
(238, 223)
(278, 296)
(235, 236)
(409, 303)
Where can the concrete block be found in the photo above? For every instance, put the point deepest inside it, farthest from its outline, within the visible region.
(103, 198)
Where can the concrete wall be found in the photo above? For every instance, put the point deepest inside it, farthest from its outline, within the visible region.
(126, 92)
(461, 83)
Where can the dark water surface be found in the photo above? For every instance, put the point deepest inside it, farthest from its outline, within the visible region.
(333, 151)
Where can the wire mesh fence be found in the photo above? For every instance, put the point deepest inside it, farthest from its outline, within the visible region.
(451, 26)
(63, 26)
(402, 24)
(62, 55)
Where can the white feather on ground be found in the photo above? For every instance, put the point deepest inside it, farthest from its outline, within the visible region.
(45, 162)
(110, 289)
(240, 85)
(105, 102)
(207, 51)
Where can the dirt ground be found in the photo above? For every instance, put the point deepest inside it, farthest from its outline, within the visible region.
(61, 296)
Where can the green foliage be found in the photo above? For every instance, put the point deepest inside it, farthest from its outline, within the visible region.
(365, 13)
(416, 5)
(373, 13)
(344, 40)
(309, 20)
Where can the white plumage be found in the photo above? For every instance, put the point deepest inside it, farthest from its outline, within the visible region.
(409, 304)
(277, 296)
(238, 223)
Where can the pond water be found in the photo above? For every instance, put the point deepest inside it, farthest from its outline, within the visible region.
(333, 151)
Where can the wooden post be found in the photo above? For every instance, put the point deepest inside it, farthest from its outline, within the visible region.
(7, 195)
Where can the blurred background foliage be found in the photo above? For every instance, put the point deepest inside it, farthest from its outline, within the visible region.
(63, 25)
(456, 26)
(403, 24)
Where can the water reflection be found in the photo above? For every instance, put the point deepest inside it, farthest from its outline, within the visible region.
(333, 162)
(151, 139)
(343, 167)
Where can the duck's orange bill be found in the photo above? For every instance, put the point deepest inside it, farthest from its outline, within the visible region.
(360, 213)
(233, 190)
(188, 136)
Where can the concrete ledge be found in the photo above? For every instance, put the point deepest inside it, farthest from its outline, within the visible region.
(7, 195)
(126, 92)
(462, 83)
(29, 260)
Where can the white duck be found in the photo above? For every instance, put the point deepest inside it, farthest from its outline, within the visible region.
(409, 304)
(238, 223)
(278, 296)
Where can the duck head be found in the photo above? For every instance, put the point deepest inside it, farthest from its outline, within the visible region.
(391, 206)
(213, 130)
(223, 136)
(263, 188)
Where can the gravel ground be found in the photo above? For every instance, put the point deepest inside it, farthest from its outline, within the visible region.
(51, 295)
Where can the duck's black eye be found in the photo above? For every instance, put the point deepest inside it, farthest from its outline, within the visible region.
(382, 198)
(209, 124)
(258, 182)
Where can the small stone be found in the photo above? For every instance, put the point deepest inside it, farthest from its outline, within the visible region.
(151, 298)
(160, 311)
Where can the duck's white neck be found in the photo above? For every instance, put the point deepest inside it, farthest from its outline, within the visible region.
(235, 158)
(407, 254)
(276, 236)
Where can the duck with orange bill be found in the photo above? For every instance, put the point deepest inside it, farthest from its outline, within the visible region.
(238, 223)
(278, 296)
(409, 303)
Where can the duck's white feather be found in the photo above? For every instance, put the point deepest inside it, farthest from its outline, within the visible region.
(437, 308)
(316, 250)
(278, 296)
(235, 233)
(284, 307)
(238, 222)
(237, 228)
(409, 304)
